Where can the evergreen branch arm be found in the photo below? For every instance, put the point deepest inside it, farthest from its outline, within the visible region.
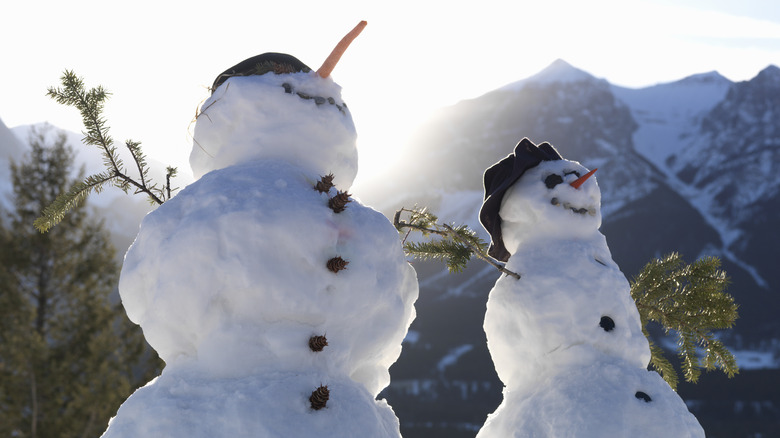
(479, 252)
(170, 172)
(54, 213)
(661, 364)
(690, 300)
(456, 246)
(138, 158)
(90, 104)
(140, 188)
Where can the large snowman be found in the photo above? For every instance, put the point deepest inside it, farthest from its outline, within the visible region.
(566, 337)
(277, 300)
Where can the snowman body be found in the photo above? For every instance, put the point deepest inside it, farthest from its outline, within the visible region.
(234, 278)
(566, 337)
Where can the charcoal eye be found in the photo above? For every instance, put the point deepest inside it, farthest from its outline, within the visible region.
(607, 323)
(552, 181)
(643, 396)
(572, 172)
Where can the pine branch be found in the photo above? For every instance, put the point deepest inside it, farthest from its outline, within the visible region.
(90, 104)
(691, 301)
(454, 255)
(54, 213)
(455, 247)
(170, 172)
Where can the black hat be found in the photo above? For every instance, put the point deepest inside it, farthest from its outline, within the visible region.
(278, 63)
(497, 180)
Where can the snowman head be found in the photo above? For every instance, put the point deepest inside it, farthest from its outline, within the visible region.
(273, 106)
(535, 192)
(554, 199)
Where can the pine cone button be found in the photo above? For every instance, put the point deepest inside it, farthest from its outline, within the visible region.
(318, 343)
(325, 183)
(337, 264)
(339, 202)
(319, 397)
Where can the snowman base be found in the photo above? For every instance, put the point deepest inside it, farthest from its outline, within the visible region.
(185, 402)
(602, 399)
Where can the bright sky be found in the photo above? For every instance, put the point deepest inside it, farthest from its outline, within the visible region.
(158, 57)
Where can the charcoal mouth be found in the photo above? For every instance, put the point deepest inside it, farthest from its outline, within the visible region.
(567, 206)
(319, 100)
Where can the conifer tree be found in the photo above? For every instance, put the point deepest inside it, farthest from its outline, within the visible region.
(66, 351)
(688, 300)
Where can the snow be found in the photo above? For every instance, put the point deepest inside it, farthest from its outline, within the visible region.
(756, 360)
(566, 338)
(558, 71)
(667, 112)
(412, 337)
(451, 358)
(253, 117)
(601, 399)
(229, 279)
(184, 403)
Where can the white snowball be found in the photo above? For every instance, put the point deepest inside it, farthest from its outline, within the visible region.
(232, 272)
(558, 304)
(187, 403)
(253, 117)
(603, 399)
(527, 209)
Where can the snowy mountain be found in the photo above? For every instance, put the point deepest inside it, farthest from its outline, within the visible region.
(685, 166)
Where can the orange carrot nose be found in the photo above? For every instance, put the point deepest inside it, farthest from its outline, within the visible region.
(579, 181)
(341, 47)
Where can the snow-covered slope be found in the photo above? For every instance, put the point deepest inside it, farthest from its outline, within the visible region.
(559, 72)
(667, 113)
(717, 144)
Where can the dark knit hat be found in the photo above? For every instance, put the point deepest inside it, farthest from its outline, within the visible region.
(497, 180)
(278, 63)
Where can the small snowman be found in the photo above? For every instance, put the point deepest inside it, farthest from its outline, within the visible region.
(277, 300)
(566, 337)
